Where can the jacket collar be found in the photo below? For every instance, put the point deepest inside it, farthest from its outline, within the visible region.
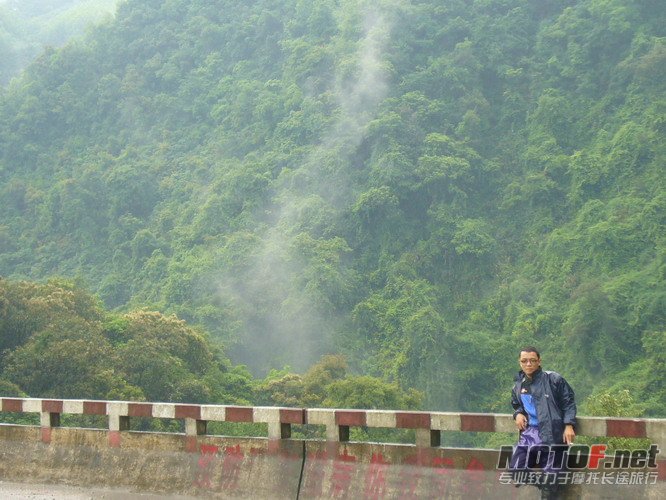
(522, 376)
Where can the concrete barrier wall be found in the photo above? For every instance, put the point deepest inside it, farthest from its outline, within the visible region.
(245, 468)
(276, 466)
(151, 462)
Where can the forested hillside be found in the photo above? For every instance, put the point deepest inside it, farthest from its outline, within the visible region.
(59, 341)
(419, 186)
(27, 26)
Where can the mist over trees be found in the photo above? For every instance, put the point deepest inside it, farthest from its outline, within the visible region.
(420, 187)
(28, 26)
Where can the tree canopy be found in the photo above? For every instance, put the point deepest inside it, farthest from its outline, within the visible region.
(418, 186)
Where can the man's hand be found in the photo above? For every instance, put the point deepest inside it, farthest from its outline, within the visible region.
(521, 422)
(569, 434)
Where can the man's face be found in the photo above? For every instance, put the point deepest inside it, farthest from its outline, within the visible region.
(529, 362)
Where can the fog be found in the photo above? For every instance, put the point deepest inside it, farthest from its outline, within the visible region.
(295, 327)
(27, 27)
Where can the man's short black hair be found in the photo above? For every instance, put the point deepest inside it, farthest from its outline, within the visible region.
(530, 348)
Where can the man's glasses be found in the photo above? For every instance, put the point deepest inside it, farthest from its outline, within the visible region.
(529, 361)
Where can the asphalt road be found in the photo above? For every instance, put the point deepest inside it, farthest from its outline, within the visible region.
(61, 492)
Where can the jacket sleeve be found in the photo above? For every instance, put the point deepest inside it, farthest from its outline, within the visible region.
(516, 403)
(566, 401)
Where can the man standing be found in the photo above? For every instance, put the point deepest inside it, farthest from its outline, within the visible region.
(545, 414)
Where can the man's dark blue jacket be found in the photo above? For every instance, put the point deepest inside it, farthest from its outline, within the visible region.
(554, 401)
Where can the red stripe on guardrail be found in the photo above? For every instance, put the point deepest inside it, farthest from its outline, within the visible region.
(12, 405)
(188, 411)
(406, 420)
(350, 418)
(52, 406)
(140, 409)
(239, 414)
(625, 428)
(292, 416)
(477, 423)
(94, 407)
(45, 434)
(114, 439)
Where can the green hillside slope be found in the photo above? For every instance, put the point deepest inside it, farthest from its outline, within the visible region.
(422, 186)
(27, 26)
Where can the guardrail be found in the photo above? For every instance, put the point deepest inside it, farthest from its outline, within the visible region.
(428, 426)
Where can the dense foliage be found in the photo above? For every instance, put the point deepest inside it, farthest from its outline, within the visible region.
(56, 340)
(27, 26)
(421, 186)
